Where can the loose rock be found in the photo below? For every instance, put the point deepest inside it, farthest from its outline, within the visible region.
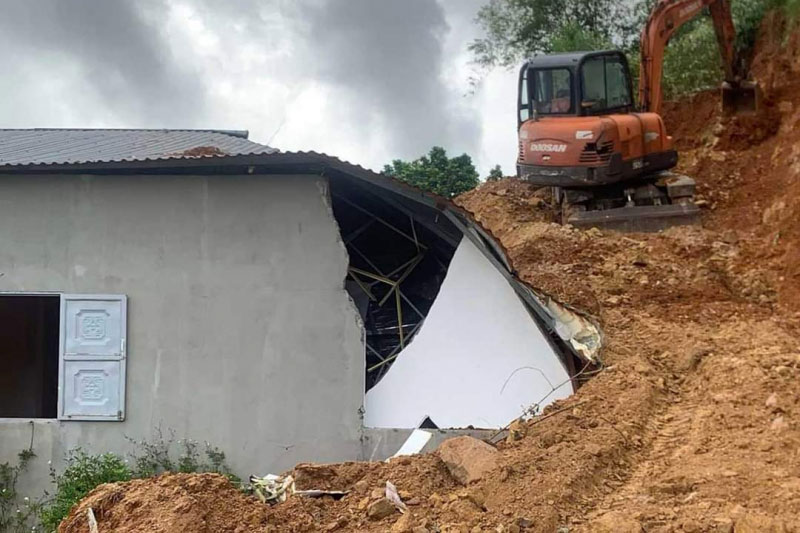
(467, 459)
(380, 509)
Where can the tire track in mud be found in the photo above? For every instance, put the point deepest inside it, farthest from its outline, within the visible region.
(669, 441)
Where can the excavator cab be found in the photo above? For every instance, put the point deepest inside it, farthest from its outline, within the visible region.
(575, 84)
(577, 126)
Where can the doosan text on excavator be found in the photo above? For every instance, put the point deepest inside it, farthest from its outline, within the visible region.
(607, 159)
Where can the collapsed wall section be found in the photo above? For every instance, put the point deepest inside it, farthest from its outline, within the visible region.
(450, 342)
(481, 360)
(398, 260)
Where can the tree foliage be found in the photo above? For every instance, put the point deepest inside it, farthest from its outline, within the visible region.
(692, 61)
(496, 174)
(517, 29)
(436, 172)
(572, 37)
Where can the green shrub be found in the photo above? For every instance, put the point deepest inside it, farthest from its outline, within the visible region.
(152, 457)
(155, 456)
(747, 15)
(791, 9)
(15, 515)
(83, 473)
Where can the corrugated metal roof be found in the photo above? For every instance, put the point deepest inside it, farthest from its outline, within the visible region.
(71, 146)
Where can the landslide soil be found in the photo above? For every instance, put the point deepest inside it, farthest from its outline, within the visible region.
(692, 425)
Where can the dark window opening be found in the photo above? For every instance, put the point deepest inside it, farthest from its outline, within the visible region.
(392, 243)
(29, 330)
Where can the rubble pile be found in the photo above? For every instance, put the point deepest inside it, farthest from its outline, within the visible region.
(691, 426)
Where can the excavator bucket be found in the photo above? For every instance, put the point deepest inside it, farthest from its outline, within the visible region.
(741, 98)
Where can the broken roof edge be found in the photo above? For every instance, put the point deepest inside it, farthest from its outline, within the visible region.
(579, 332)
(575, 328)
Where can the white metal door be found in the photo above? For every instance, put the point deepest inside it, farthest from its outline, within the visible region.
(92, 357)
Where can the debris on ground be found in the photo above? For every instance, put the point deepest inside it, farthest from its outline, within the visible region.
(272, 488)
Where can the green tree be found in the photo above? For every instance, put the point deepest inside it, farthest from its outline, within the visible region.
(572, 37)
(436, 172)
(517, 29)
(496, 174)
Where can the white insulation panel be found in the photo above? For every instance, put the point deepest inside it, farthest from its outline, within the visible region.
(479, 360)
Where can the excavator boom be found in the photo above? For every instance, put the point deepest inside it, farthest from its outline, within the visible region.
(664, 20)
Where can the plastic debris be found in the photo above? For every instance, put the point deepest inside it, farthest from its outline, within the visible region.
(92, 521)
(392, 496)
(276, 489)
(414, 443)
(272, 488)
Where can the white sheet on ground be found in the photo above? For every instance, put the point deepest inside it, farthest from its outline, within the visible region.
(479, 359)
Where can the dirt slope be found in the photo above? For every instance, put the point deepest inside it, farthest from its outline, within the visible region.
(692, 426)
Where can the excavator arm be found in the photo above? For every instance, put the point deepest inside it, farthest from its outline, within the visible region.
(665, 19)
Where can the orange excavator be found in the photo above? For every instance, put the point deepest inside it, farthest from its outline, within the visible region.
(606, 158)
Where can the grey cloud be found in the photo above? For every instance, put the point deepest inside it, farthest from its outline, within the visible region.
(383, 60)
(119, 54)
(389, 56)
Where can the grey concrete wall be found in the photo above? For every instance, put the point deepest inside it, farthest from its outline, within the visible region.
(239, 330)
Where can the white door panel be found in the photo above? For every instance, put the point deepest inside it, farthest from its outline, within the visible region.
(92, 357)
(93, 327)
(92, 389)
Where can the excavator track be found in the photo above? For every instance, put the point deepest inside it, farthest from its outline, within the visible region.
(655, 203)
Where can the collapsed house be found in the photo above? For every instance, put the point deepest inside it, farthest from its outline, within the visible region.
(283, 306)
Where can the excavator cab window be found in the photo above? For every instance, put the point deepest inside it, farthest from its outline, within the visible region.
(552, 91)
(606, 84)
(545, 91)
(524, 104)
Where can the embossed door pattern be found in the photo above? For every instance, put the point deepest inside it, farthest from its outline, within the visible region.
(93, 356)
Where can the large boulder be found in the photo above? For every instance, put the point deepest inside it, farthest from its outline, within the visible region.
(467, 458)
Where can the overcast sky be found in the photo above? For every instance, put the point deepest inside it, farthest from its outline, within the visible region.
(365, 80)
